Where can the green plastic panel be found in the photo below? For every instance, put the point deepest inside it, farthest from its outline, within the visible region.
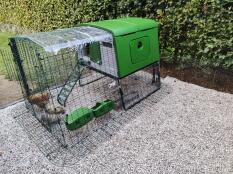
(140, 49)
(95, 53)
(130, 58)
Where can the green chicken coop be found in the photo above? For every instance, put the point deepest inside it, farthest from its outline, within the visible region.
(82, 73)
(135, 43)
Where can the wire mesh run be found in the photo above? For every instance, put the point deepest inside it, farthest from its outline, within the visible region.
(92, 136)
(76, 88)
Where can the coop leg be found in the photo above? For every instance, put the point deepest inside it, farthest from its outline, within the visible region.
(156, 74)
(65, 145)
(81, 73)
(27, 105)
(158, 80)
(121, 95)
(153, 78)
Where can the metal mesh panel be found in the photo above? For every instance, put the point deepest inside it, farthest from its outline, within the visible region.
(67, 147)
(75, 80)
(9, 69)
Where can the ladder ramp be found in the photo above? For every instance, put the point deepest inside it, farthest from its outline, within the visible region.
(69, 85)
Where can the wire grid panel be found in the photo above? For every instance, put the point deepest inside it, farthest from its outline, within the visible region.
(9, 66)
(96, 133)
(92, 88)
(135, 87)
(107, 64)
(45, 70)
(139, 85)
(47, 74)
(73, 78)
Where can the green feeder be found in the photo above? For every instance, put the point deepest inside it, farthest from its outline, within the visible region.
(82, 116)
(78, 118)
(102, 108)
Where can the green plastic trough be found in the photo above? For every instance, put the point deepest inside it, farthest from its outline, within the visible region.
(83, 115)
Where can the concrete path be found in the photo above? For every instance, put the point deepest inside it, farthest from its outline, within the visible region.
(188, 131)
(10, 91)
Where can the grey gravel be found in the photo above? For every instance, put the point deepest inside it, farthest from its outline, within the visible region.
(188, 131)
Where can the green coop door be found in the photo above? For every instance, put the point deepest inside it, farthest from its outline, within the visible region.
(95, 53)
(140, 49)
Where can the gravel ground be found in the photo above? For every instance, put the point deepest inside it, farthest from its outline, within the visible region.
(189, 131)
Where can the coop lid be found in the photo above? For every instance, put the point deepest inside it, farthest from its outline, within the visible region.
(56, 40)
(124, 26)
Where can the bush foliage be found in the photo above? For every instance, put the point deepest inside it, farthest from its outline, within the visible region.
(193, 33)
(199, 34)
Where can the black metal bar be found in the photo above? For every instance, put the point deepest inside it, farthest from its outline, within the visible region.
(83, 63)
(158, 80)
(121, 95)
(80, 84)
(153, 78)
(17, 59)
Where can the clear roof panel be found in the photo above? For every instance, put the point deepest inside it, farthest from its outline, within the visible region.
(56, 40)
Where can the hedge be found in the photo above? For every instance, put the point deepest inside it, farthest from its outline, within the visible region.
(193, 33)
(199, 34)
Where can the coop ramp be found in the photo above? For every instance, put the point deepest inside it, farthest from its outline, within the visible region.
(69, 85)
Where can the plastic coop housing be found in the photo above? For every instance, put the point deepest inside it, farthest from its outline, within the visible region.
(70, 77)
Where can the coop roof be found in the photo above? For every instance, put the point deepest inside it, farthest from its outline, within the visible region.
(56, 40)
(124, 26)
